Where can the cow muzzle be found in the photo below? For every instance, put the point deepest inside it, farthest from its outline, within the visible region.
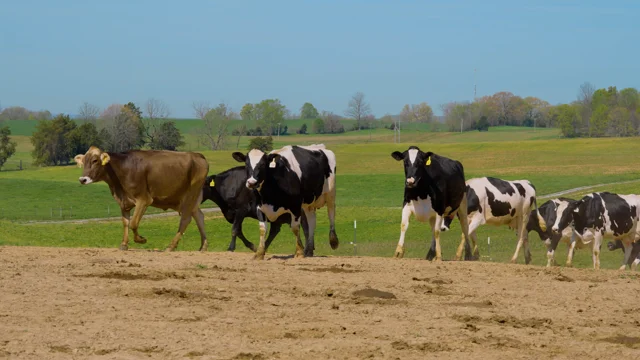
(84, 180)
(252, 183)
(411, 182)
(555, 229)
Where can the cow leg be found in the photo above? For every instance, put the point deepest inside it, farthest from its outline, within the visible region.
(404, 225)
(525, 236)
(199, 217)
(141, 207)
(436, 234)
(274, 229)
(311, 221)
(572, 250)
(295, 228)
(237, 231)
(628, 247)
(189, 203)
(263, 229)
(331, 209)
(126, 215)
(431, 253)
(597, 242)
(471, 232)
(519, 231)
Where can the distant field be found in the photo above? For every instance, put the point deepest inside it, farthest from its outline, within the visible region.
(370, 187)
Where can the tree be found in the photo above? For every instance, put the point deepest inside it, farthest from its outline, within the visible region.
(111, 112)
(261, 143)
(620, 122)
(51, 141)
(629, 99)
(247, 112)
(483, 124)
(156, 111)
(357, 109)
(302, 130)
(201, 108)
(567, 119)
(88, 112)
(216, 126)
(242, 130)
(331, 123)
(599, 121)
(7, 147)
(83, 137)
(308, 111)
(134, 110)
(268, 114)
(123, 133)
(167, 137)
(420, 113)
(318, 126)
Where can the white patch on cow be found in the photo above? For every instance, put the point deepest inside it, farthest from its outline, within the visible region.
(287, 153)
(272, 214)
(254, 157)
(561, 206)
(85, 180)
(413, 154)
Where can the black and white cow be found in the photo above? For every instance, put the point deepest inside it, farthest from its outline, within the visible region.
(228, 190)
(604, 215)
(292, 181)
(499, 202)
(434, 188)
(634, 259)
(550, 211)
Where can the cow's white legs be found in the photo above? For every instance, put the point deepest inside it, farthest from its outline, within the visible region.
(436, 234)
(627, 252)
(521, 240)
(331, 209)
(126, 216)
(404, 225)
(311, 221)
(572, 250)
(295, 228)
(259, 255)
(597, 243)
(551, 260)
(473, 222)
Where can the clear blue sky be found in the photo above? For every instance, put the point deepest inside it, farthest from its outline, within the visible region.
(56, 54)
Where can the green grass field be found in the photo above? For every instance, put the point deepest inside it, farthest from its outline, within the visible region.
(370, 190)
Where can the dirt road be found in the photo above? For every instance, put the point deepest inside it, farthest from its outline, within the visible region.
(60, 303)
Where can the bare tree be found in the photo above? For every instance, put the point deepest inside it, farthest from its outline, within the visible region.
(216, 125)
(122, 132)
(358, 109)
(201, 109)
(88, 112)
(585, 98)
(111, 112)
(155, 111)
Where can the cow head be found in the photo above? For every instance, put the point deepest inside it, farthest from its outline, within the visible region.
(94, 163)
(415, 164)
(257, 164)
(564, 214)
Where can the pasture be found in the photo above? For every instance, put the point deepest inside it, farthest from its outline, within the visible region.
(60, 251)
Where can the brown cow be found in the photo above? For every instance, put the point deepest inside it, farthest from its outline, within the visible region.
(162, 179)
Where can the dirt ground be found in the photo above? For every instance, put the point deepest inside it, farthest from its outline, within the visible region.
(58, 303)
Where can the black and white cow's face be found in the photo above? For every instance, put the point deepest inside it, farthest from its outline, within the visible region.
(257, 164)
(415, 162)
(564, 215)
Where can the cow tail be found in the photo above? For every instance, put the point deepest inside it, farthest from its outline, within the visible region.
(541, 222)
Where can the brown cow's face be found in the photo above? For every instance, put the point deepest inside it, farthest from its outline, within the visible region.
(256, 163)
(94, 163)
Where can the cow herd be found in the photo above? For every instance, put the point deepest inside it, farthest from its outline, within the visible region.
(288, 185)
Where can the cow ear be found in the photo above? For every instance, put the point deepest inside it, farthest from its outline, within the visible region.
(239, 157)
(273, 159)
(105, 158)
(397, 155)
(79, 159)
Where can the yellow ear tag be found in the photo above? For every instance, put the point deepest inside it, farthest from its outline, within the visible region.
(273, 163)
(105, 161)
(429, 161)
(212, 183)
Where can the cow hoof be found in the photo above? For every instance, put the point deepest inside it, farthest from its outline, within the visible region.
(140, 240)
(124, 247)
(233, 250)
(431, 255)
(623, 268)
(333, 240)
(169, 249)
(399, 252)
(568, 265)
(258, 256)
(308, 254)
(298, 255)
(514, 261)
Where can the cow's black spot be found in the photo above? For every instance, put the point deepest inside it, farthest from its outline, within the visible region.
(502, 186)
(513, 212)
(498, 208)
(521, 189)
(473, 202)
(620, 213)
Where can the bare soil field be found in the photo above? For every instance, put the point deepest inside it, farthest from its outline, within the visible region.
(58, 303)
